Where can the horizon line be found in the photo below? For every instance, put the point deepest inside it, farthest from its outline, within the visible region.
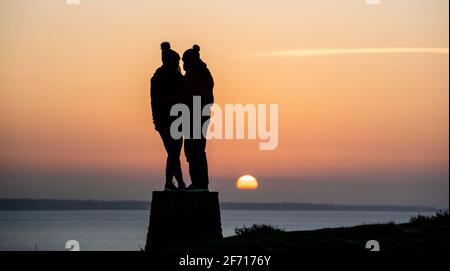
(228, 202)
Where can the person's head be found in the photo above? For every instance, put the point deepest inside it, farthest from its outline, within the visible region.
(169, 56)
(191, 59)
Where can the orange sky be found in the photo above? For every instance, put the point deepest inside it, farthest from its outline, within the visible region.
(74, 84)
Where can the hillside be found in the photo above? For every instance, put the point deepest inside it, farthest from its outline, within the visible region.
(420, 234)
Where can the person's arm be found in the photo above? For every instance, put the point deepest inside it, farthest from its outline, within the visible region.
(155, 101)
(209, 86)
(180, 95)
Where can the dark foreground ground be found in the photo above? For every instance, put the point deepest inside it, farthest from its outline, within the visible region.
(420, 234)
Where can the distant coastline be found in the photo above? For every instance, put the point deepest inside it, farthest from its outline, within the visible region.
(55, 205)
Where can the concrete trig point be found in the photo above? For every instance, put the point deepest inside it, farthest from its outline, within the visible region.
(182, 217)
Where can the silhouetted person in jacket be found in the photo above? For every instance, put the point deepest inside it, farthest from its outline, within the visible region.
(166, 90)
(198, 82)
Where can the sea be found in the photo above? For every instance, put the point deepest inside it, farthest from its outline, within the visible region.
(119, 230)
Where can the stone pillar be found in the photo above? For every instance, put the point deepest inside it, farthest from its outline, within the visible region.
(180, 217)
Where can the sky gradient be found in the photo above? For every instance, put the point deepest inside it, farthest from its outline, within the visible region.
(362, 91)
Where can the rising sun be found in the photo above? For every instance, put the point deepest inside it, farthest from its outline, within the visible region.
(247, 182)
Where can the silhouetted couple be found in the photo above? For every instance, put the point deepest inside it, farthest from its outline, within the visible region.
(170, 87)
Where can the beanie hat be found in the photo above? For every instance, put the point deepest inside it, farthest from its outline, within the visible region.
(193, 53)
(169, 55)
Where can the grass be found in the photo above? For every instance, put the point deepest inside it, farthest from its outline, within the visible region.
(441, 216)
(422, 233)
(257, 229)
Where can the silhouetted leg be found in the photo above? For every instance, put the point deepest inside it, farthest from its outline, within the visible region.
(202, 163)
(198, 165)
(178, 144)
(173, 149)
(194, 150)
(169, 170)
(204, 176)
(190, 158)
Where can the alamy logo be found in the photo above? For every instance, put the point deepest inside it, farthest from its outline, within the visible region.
(373, 245)
(73, 245)
(226, 123)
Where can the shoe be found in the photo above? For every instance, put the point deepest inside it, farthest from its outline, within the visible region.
(192, 188)
(181, 186)
(170, 187)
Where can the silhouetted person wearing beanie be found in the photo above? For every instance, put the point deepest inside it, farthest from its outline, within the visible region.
(165, 91)
(198, 82)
